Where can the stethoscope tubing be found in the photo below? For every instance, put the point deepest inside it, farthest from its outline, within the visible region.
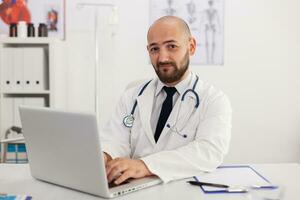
(182, 99)
(140, 93)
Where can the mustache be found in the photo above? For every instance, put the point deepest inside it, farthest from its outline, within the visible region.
(159, 64)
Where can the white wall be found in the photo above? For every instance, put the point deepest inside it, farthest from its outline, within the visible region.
(260, 73)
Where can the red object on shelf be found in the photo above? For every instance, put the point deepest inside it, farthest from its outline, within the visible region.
(13, 11)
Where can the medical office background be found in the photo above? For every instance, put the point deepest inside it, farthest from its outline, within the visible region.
(260, 73)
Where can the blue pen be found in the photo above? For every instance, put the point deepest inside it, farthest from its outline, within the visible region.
(264, 186)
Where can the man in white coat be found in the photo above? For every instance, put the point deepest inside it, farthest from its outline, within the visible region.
(180, 126)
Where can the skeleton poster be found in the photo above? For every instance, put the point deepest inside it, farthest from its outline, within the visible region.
(206, 21)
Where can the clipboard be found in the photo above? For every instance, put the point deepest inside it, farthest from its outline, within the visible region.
(234, 176)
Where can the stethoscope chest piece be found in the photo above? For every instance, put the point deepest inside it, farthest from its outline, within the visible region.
(128, 121)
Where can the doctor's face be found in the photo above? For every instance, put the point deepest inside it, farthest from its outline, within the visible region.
(169, 49)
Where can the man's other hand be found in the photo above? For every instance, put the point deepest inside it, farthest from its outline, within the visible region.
(121, 169)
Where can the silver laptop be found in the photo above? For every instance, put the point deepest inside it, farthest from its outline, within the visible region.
(64, 148)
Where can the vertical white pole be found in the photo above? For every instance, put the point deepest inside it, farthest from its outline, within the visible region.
(97, 51)
(97, 65)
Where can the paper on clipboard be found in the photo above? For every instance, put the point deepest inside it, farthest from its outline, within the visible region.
(234, 176)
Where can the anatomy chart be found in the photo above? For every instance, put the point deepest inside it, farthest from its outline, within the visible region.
(206, 21)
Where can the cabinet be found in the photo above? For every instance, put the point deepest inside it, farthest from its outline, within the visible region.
(25, 78)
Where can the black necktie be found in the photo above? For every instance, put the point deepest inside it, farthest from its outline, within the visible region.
(165, 111)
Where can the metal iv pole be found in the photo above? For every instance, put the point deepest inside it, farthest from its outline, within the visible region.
(96, 7)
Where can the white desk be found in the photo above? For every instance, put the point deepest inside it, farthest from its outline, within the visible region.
(16, 179)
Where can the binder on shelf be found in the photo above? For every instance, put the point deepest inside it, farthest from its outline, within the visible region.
(18, 70)
(34, 68)
(7, 73)
(28, 72)
(39, 69)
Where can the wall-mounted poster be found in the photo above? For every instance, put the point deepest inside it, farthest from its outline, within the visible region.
(49, 12)
(206, 21)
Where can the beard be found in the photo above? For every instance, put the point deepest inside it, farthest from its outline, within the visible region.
(176, 73)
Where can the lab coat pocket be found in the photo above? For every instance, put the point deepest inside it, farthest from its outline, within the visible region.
(190, 127)
(189, 134)
(179, 139)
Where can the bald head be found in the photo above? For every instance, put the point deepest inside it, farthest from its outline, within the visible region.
(170, 45)
(170, 22)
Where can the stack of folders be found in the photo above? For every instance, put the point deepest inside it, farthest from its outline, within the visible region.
(23, 69)
(16, 153)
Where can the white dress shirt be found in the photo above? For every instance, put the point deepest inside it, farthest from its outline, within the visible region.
(160, 96)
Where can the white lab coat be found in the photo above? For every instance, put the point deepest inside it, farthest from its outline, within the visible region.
(208, 130)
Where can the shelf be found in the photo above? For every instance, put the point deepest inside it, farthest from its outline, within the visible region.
(33, 40)
(13, 140)
(23, 60)
(26, 92)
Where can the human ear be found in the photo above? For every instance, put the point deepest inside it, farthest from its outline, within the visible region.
(192, 46)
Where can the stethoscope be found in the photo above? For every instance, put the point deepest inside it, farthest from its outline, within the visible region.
(129, 119)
